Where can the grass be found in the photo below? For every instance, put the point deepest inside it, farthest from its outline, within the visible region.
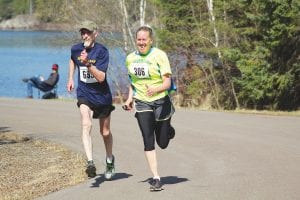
(266, 112)
(32, 168)
(247, 111)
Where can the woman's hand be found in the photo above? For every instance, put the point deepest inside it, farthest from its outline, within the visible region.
(164, 86)
(128, 105)
(129, 102)
(151, 90)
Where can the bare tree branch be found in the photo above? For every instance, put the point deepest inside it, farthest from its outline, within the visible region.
(142, 11)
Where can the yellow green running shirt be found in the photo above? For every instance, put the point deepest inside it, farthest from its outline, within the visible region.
(147, 70)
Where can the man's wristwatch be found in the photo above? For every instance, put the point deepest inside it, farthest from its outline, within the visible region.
(88, 64)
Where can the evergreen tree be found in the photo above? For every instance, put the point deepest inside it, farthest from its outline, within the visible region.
(179, 26)
(265, 54)
(258, 45)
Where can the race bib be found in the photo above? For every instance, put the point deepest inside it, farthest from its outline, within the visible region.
(86, 76)
(140, 70)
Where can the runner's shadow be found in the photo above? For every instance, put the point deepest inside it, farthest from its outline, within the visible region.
(168, 180)
(101, 179)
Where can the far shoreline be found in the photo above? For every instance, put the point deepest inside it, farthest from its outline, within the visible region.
(32, 23)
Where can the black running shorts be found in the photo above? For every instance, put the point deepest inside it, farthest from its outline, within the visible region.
(99, 111)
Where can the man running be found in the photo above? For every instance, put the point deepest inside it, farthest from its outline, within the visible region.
(93, 93)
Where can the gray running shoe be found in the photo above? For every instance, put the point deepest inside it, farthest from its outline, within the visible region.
(110, 169)
(155, 185)
(91, 169)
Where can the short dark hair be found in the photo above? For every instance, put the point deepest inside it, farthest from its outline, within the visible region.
(145, 28)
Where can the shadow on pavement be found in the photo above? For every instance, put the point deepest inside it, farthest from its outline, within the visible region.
(172, 180)
(102, 179)
(168, 180)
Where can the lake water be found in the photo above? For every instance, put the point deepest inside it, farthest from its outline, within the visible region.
(29, 53)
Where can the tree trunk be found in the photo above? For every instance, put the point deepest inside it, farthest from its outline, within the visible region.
(212, 19)
(216, 44)
(126, 24)
(30, 7)
(125, 36)
(142, 12)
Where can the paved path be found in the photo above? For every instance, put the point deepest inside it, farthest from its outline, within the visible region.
(214, 155)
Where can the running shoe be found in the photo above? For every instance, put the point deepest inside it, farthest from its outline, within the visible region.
(110, 169)
(155, 185)
(172, 133)
(91, 169)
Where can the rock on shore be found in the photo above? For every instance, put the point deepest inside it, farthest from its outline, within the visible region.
(20, 22)
(30, 22)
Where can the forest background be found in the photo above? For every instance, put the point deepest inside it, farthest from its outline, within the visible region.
(241, 54)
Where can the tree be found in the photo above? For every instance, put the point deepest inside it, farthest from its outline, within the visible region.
(254, 44)
(6, 9)
(191, 30)
(270, 75)
(12, 8)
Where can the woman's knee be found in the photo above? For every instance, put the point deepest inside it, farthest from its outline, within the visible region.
(105, 133)
(146, 124)
(149, 147)
(163, 145)
(162, 131)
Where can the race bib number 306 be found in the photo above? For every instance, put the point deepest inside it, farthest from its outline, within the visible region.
(86, 76)
(140, 70)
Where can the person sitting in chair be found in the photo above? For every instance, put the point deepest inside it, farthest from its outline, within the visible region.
(41, 84)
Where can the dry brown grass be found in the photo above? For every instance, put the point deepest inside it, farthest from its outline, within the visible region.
(32, 168)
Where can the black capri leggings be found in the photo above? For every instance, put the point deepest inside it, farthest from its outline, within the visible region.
(153, 130)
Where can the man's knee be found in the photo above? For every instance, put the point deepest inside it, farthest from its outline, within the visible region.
(86, 125)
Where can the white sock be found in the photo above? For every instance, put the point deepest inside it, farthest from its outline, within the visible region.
(156, 177)
(109, 159)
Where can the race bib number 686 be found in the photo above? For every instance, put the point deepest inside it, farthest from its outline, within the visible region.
(86, 76)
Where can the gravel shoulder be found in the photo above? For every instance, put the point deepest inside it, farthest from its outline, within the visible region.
(32, 168)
